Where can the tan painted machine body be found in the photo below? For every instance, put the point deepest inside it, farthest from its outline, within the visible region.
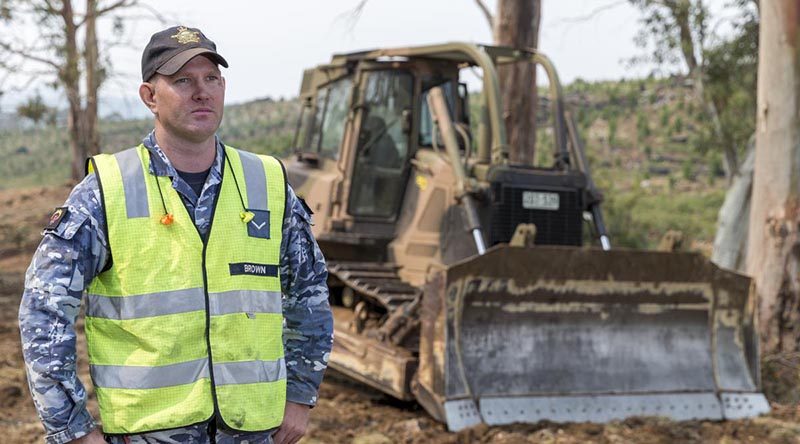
(465, 282)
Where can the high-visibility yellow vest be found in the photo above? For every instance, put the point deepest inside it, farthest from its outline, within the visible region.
(180, 329)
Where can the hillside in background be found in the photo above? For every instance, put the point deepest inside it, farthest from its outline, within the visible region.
(649, 152)
(40, 156)
(643, 138)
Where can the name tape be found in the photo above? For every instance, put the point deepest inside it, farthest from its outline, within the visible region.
(253, 269)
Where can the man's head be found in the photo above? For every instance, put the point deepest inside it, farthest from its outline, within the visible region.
(182, 84)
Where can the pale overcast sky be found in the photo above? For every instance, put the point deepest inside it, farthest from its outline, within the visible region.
(269, 43)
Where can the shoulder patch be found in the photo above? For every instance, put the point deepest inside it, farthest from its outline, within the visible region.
(56, 217)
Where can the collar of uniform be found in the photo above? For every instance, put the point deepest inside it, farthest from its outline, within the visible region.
(160, 164)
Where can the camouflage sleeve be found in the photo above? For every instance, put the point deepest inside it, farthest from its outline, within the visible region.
(68, 256)
(308, 323)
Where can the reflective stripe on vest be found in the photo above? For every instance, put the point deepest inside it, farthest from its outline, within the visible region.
(182, 301)
(248, 372)
(133, 183)
(170, 306)
(256, 181)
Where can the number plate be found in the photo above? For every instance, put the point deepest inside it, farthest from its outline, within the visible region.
(534, 200)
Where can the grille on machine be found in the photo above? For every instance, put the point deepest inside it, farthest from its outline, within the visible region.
(562, 226)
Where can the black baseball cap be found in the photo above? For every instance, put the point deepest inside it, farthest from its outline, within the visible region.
(171, 48)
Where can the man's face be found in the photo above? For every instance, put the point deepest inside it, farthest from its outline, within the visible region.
(189, 104)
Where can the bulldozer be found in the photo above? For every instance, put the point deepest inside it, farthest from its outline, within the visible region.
(487, 290)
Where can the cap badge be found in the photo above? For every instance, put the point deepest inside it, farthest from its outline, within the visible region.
(185, 36)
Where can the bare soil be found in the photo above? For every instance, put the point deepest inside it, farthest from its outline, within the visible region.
(349, 412)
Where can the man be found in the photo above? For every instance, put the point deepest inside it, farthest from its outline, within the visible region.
(207, 323)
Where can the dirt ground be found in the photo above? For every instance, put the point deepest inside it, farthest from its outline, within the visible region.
(348, 412)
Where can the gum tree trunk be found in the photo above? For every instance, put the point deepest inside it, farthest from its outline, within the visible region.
(516, 24)
(93, 80)
(773, 256)
(730, 242)
(69, 75)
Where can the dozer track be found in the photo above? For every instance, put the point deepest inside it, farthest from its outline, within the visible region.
(382, 356)
(377, 281)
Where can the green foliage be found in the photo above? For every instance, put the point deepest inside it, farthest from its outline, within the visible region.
(687, 169)
(660, 193)
(612, 132)
(637, 215)
(34, 109)
(613, 93)
(544, 148)
(583, 116)
(661, 29)
(642, 126)
(691, 110)
(678, 33)
(732, 66)
(715, 166)
(678, 125)
(638, 219)
(621, 223)
(262, 126)
(702, 140)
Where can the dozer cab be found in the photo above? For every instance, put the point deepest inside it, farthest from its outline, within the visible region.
(489, 291)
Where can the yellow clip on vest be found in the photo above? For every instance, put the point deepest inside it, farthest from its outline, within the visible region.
(179, 329)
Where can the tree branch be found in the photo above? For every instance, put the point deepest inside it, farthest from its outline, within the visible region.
(32, 76)
(158, 16)
(125, 4)
(50, 8)
(99, 12)
(27, 56)
(593, 13)
(352, 16)
(150, 15)
(127, 44)
(486, 13)
(115, 5)
(355, 14)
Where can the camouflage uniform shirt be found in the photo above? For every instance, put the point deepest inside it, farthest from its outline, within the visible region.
(73, 253)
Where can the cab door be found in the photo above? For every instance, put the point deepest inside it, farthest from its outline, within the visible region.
(315, 172)
(382, 147)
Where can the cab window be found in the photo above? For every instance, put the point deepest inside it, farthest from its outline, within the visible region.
(382, 149)
(426, 126)
(329, 118)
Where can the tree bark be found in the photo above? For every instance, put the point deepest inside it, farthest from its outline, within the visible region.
(516, 24)
(90, 56)
(773, 257)
(70, 77)
(730, 242)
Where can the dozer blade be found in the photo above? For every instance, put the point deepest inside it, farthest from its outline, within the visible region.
(573, 335)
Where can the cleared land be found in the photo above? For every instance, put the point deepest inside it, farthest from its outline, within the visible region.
(643, 146)
(348, 412)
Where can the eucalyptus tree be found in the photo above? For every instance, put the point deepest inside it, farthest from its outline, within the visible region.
(56, 42)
